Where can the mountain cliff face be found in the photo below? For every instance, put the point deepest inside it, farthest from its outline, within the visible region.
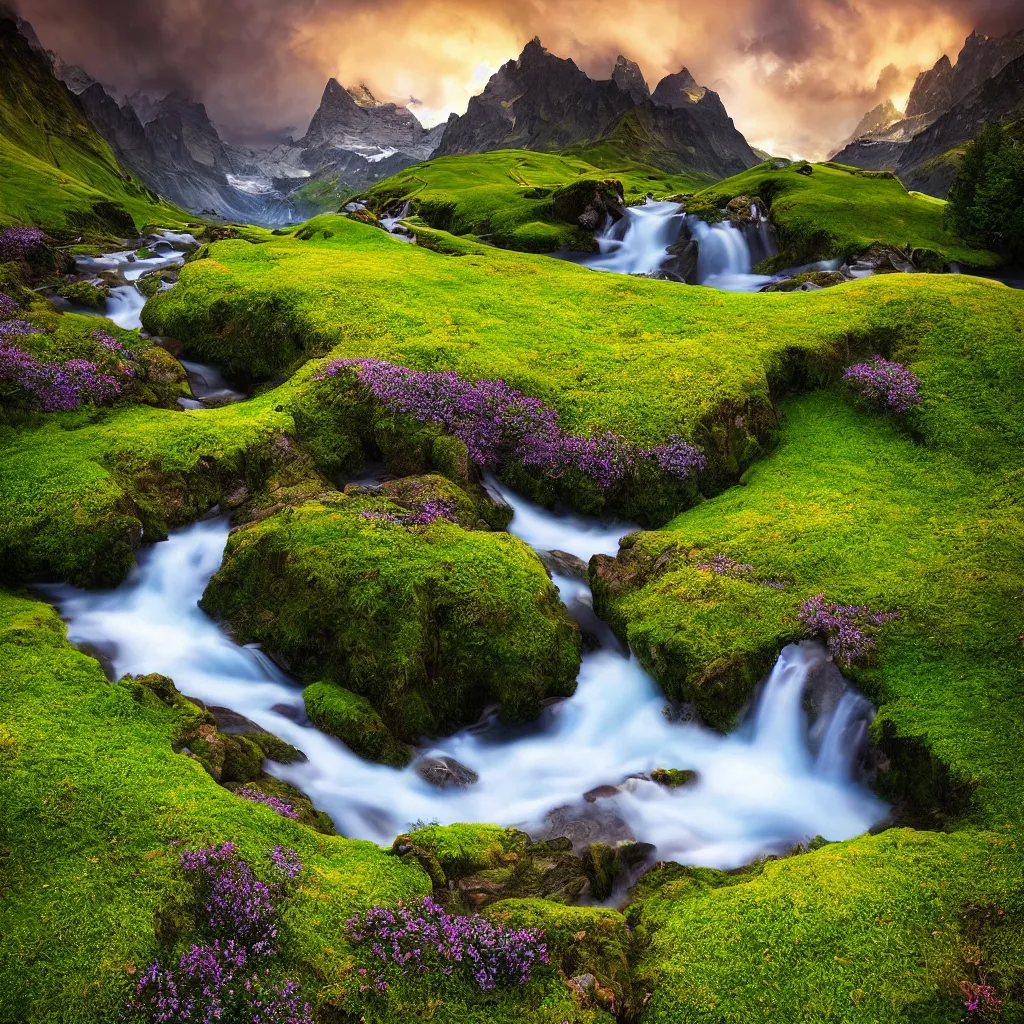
(546, 103)
(948, 105)
(366, 127)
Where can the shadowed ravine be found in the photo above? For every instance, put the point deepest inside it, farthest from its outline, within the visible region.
(767, 787)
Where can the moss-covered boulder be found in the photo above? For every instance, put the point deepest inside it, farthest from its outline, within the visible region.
(352, 719)
(85, 293)
(588, 202)
(427, 620)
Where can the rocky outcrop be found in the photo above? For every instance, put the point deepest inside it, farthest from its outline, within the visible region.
(546, 103)
(949, 104)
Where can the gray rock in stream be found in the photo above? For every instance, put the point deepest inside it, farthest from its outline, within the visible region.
(561, 563)
(445, 772)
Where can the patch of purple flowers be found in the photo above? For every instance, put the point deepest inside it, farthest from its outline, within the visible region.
(424, 515)
(8, 307)
(55, 387)
(720, 565)
(849, 630)
(223, 979)
(424, 938)
(979, 999)
(498, 424)
(17, 243)
(254, 795)
(887, 385)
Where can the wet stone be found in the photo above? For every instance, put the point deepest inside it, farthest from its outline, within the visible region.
(445, 772)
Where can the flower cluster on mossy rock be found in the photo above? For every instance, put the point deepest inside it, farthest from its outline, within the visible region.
(885, 384)
(227, 977)
(721, 565)
(430, 625)
(425, 938)
(276, 805)
(17, 243)
(849, 630)
(499, 424)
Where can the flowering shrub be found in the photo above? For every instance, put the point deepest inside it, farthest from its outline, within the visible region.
(285, 810)
(849, 630)
(425, 938)
(979, 999)
(720, 565)
(885, 384)
(17, 243)
(55, 386)
(497, 423)
(223, 979)
(428, 511)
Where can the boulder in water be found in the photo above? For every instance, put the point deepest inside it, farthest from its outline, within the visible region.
(674, 778)
(444, 772)
(681, 264)
(561, 563)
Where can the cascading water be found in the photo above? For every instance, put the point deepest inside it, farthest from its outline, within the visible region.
(725, 259)
(638, 242)
(759, 790)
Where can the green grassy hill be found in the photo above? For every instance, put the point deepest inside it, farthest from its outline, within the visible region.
(841, 211)
(507, 194)
(56, 171)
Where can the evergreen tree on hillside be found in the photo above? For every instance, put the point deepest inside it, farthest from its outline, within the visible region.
(986, 201)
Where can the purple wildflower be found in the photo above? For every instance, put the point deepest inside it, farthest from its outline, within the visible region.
(17, 243)
(979, 998)
(499, 424)
(8, 307)
(425, 937)
(849, 629)
(249, 793)
(885, 384)
(720, 565)
(426, 513)
(286, 862)
(54, 387)
(12, 328)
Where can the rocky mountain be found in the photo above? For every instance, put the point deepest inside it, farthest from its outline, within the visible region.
(948, 105)
(546, 103)
(353, 120)
(175, 148)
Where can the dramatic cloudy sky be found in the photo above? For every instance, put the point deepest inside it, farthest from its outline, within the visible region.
(795, 74)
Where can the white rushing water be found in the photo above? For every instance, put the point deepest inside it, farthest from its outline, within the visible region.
(760, 790)
(639, 241)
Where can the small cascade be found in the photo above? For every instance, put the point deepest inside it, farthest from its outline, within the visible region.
(392, 224)
(760, 790)
(726, 254)
(638, 242)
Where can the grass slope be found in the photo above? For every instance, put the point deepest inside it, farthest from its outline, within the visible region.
(506, 194)
(57, 172)
(841, 211)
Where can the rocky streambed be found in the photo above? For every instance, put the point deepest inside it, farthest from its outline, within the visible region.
(613, 764)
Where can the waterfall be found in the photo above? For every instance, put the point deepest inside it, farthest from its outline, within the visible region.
(759, 790)
(638, 242)
(729, 251)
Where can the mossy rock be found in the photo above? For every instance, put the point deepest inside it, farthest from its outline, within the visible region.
(673, 778)
(810, 281)
(430, 623)
(85, 293)
(352, 719)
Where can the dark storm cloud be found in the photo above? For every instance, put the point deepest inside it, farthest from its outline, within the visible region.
(795, 74)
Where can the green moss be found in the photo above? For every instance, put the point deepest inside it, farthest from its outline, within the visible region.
(351, 719)
(841, 211)
(429, 623)
(880, 928)
(85, 293)
(466, 849)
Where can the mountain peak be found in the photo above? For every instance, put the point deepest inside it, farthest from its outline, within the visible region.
(629, 78)
(362, 96)
(678, 90)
